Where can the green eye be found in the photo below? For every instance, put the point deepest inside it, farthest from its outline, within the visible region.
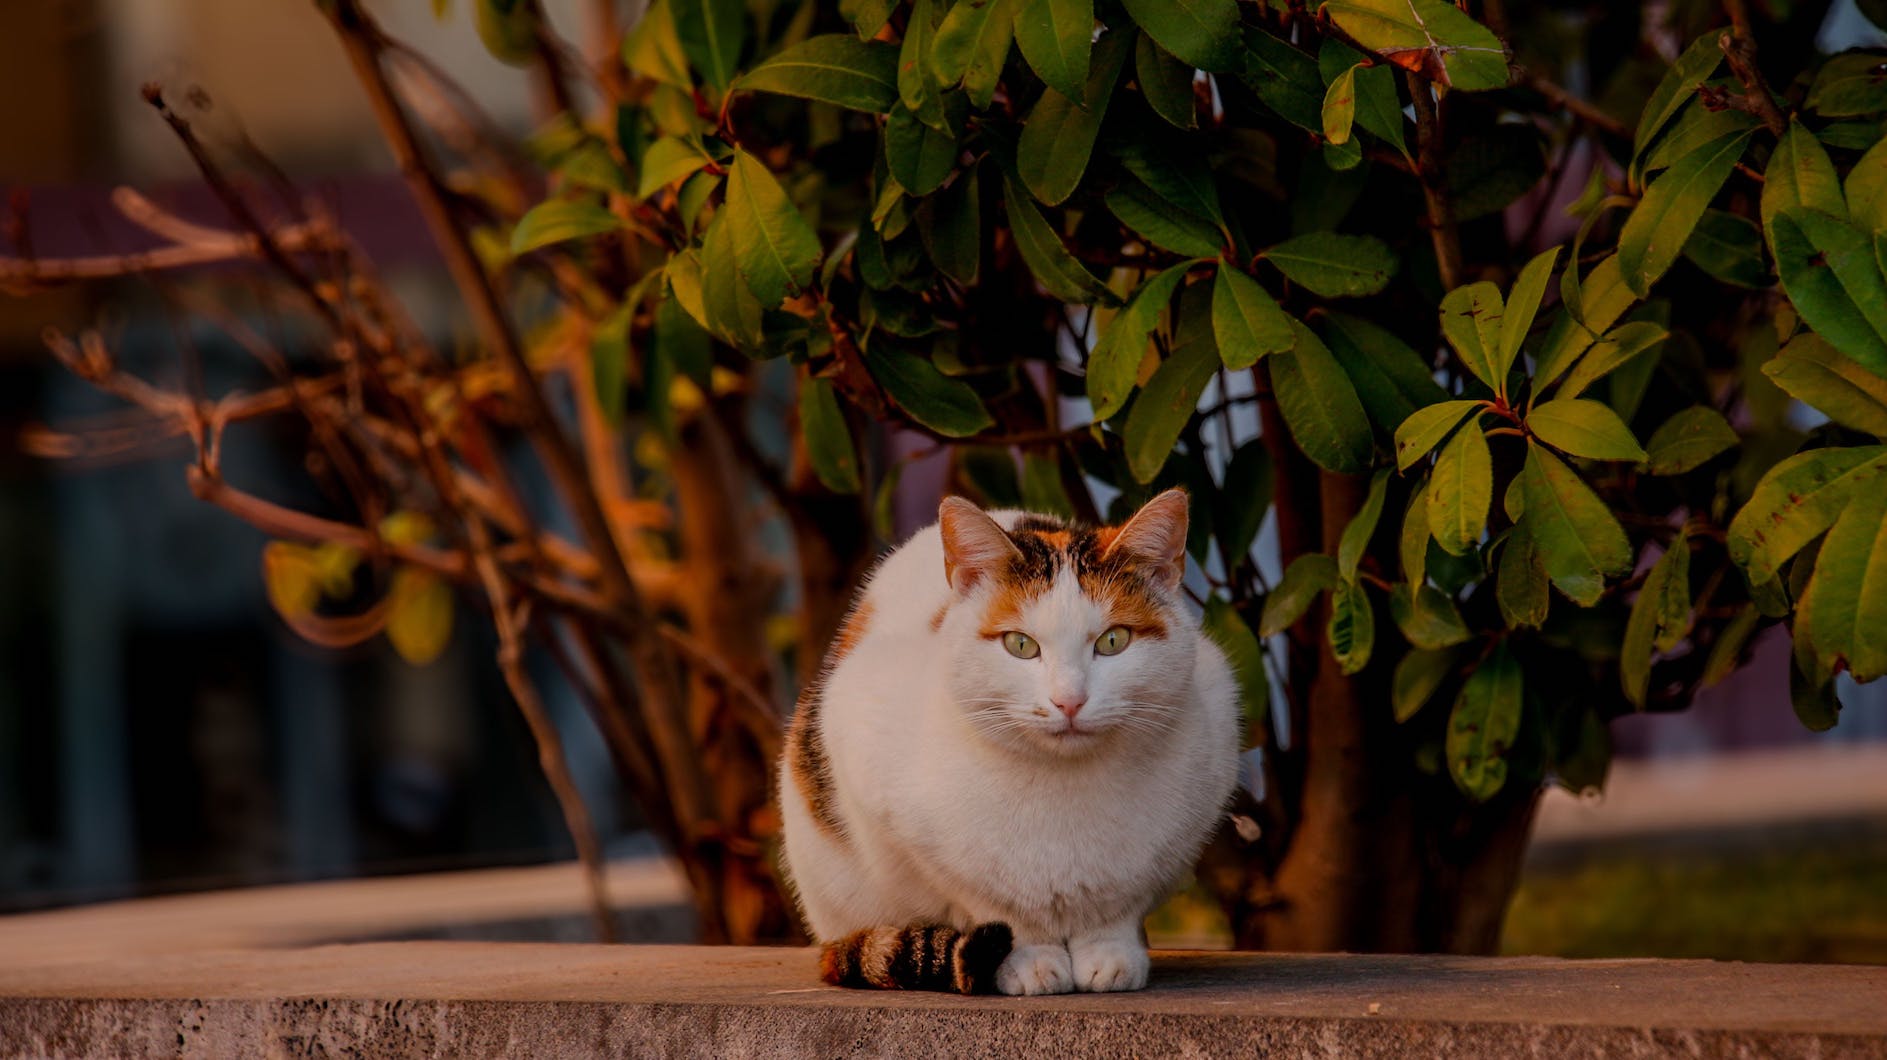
(1021, 645)
(1113, 642)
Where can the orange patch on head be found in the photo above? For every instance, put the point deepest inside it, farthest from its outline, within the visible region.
(1127, 602)
(1005, 608)
(937, 620)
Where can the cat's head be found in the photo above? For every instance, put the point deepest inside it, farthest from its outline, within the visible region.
(1066, 639)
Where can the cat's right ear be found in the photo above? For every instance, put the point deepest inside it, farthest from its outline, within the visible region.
(974, 546)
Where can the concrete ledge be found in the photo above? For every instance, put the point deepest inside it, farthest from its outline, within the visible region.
(492, 999)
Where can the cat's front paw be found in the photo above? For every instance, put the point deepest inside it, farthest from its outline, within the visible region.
(1109, 964)
(1036, 970)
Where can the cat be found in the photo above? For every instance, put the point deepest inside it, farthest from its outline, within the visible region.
(1018, 744)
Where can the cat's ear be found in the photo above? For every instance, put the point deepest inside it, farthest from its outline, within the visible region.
(1156, 537)
(974, 546)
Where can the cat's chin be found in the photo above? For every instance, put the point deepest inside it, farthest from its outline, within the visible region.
(1067, 743)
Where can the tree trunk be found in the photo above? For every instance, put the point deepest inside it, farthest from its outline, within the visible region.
(727, 593)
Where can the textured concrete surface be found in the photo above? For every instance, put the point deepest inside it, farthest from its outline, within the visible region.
(492, 999)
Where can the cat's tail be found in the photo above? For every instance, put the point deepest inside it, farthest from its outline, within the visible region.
(919, 957)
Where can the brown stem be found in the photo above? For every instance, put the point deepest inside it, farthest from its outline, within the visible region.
(1739, 47)
(653, 662)
(1441, 212)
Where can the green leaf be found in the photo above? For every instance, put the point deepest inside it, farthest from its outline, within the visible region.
(1726, 654)
(867, 16)
(950, 225)
(1520, 581)
(1687, 440)
(1621, 345)
(1055, 36)
(1042, 489)
(1490, 171)
(609, 361)
(1677, 88)
(560, 220)
(1362, 527)
(1471, 321)
(945, 405)
(1730, 248)
(1460, 491)
(1058, 135)
(1352, 627)
(1155, 220)
(1811, 371)
(1484, 724)
(1339, 109)
(835, 68)
(1168, 402)
(1866, 189)
(1427, 427)
(1234, 637)
(1306, 577)
(1584, 428)
(1844, 611)
(917, 89)
(1431, 37)
(1320, 406)
(1162, 164)
(1412, 543)
(1201, 32)
(1815, 703)
(1114, 366)
(828, 438)
(1796, 501)
(1697, 126)
(1660, 618)
(1378, 107)
(653, 47)
(508, 29)
(711, 32)
(1849, 85)
(680, 342)
(1389, 377)
(1244, 495)
(1418, 674)
(666, 161)
(1579, 538)
(1427, 617)
(1334, 265)
(1166, 82)
(1523, 303)
(920, 158)
(1246, 320)
(1060, 273)
(1799, 174)
(733, 313)
(1833, 278)
(1284, 79)
(971, 46)
(1655, 233)
(1587, 312)
(776, 250)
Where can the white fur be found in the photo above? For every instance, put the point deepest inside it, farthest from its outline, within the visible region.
(964, 800)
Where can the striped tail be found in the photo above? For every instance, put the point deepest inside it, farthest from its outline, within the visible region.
(919, 957)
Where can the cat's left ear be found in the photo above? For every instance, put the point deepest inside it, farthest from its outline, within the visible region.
(1156, 537)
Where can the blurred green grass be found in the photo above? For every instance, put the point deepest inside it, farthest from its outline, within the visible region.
(1803, 894)
(1815, 894)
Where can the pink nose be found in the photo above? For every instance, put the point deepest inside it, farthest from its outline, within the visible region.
(1071, 705)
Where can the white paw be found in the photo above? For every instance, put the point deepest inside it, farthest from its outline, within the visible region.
(1109, 964)
(1036, 970)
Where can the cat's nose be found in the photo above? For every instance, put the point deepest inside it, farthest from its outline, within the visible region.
(1070, 705)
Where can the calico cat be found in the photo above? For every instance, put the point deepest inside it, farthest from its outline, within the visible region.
(1018, 745)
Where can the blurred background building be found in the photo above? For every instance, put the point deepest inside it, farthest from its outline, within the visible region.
(160, 730)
